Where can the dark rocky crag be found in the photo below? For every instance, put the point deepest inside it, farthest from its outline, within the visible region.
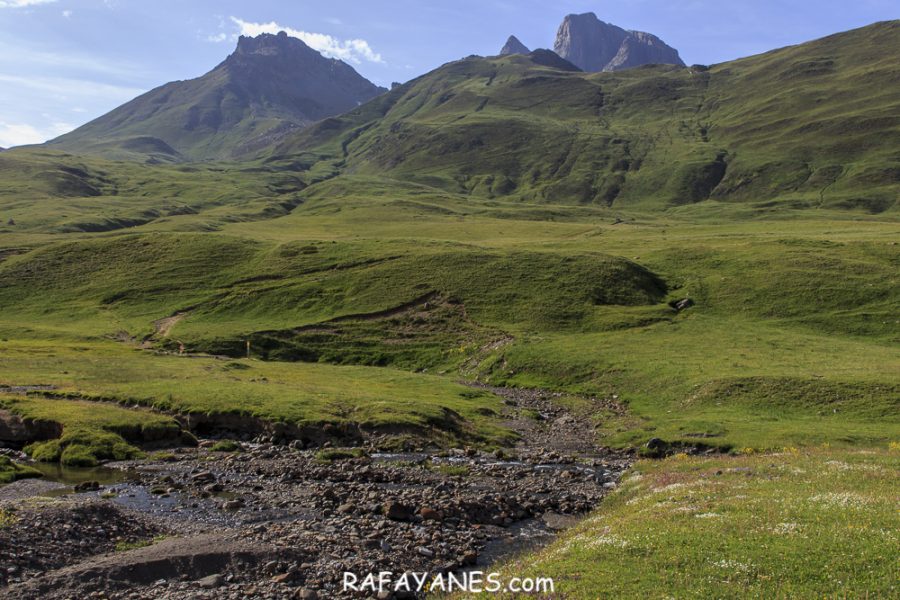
(592, 45)
(514, 46)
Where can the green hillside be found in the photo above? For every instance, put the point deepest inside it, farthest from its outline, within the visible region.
(814, 125)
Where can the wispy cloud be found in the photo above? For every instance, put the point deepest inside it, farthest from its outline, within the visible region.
(355, 50)
(66, 88)
(18, 57)
(22, 3)
(19, 134)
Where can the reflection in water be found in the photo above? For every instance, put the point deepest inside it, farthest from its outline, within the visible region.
(72, 476)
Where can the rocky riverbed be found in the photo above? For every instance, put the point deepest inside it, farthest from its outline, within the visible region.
(280, 521)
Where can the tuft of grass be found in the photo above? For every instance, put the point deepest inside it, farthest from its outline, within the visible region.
(125, 545)
(451, 470)
(337, 454)
(226, 446)
(7, 518)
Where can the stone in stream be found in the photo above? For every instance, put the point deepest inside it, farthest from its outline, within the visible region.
(87, 486)
(233, 505)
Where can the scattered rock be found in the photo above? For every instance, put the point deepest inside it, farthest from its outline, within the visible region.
(211, 582)
(398, 512)
(429, 514)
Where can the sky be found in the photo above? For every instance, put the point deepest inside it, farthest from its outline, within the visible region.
(65, 62)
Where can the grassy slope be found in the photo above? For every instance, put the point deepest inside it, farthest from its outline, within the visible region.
(49, 192)
(799, 524)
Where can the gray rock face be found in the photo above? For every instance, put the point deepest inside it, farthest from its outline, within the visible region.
(513, 46)
(589, 43)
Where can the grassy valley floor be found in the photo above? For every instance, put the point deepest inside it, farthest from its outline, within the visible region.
(371, 317)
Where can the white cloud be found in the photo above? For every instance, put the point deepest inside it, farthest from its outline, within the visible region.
(18, 134)
(217, 38)
(22, 3)
(67, 13)
(355, 50)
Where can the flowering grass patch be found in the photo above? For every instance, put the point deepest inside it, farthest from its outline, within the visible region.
(796, 524)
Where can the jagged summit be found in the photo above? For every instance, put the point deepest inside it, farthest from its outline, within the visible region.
(514, 46)
(269, 86)
(593, 45)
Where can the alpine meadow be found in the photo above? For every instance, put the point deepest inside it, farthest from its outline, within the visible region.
(626, 325)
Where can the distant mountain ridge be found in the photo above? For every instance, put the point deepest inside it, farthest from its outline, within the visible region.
(812, 125)
(592, 45)
(269, 86)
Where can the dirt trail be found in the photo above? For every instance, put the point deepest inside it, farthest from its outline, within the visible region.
(164, 326)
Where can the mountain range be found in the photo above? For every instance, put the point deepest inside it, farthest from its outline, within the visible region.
(535, 127)
(274, 85)
(522, 127)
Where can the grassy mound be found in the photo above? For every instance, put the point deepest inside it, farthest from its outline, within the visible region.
(294, 394)
(83, 448)
(91, 432)
(234, 286)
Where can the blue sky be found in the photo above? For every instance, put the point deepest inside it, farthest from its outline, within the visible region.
(65, 62)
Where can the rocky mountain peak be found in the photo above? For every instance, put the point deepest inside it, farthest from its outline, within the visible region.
(593, 45)
(269, 86)
(267, 44)
(514, 46)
